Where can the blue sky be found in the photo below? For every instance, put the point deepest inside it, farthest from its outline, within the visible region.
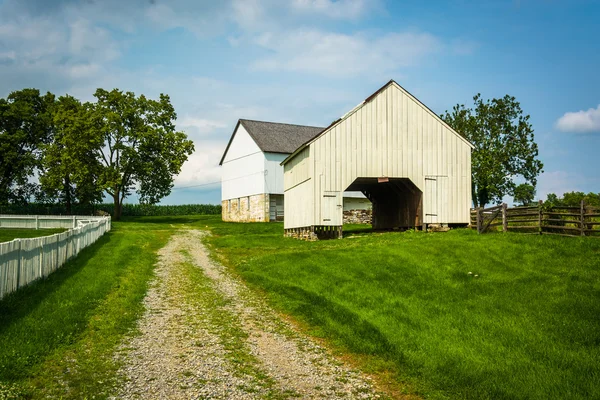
(310, 61)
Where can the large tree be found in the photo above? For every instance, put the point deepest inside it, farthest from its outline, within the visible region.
(25, 125)
(524, 194)
(504, 146)
(70, 164)
(140, 148)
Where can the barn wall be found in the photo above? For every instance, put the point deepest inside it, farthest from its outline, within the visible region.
(393, 135)
(274, 173)
(254, 208)
(297, 170)
(243, 168)
(297, 210)
(241, 146)
(243, 177)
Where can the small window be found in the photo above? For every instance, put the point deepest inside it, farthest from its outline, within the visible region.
(239, 207)
(248, 203)
(229, 205)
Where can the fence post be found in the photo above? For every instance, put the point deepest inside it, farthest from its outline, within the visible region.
(479, 219)
(504, 220)
(540, 216)
(18, 265)
(74, 222)
(37, 222)
(582, 216)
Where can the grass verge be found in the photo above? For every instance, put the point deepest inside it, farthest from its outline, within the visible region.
(8, 234)
(58, 334)
(522, 325)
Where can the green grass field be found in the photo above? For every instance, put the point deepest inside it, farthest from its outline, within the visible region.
(8, 234)
(77, 317)
(527, 327)
(404, 304)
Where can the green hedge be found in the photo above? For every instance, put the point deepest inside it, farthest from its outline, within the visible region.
(137, 210)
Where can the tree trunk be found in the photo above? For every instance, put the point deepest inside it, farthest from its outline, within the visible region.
(67, 189)
(117, 202)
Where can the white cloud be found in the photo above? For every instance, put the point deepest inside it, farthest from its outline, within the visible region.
(202, 167)
(45, 53)
(580, 121)
(340, 9)
(199, 126)
(342, 55)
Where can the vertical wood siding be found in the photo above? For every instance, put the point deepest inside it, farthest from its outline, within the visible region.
(392, 135)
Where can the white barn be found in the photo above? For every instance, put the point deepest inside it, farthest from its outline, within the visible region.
(252, 175)
(415, 169)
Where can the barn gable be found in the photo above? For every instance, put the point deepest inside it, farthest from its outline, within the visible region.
(402, 156)
(368, 100)
(272, 137)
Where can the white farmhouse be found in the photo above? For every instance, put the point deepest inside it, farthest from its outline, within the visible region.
(252, 175)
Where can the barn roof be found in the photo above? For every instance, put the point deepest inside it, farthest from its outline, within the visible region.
(302, 146)
(273, 137)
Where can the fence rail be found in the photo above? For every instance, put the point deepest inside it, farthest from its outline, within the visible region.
(565, 221)
(23, 261)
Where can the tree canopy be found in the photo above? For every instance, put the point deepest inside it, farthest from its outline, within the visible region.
(25, 126)
(573, 199)
(505, 148)
(69, 167)
(524, 194)
(119, 144)
(140, 148)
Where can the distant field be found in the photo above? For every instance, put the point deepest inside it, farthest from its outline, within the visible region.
(450, 315)
(8, 234)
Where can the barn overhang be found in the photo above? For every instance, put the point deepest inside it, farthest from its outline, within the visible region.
(397, 202)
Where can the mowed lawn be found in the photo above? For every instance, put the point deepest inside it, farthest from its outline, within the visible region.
(527, 327)
(525, 324)
(8, 234)
(58, 335)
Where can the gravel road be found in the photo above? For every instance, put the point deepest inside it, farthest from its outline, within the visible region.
(205, 335)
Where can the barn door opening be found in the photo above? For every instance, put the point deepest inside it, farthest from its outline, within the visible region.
(396, 201)
(331, 209)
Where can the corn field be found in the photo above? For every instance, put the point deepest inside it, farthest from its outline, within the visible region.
(137, 210)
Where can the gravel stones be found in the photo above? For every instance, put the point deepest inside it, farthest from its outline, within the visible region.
(221, 341)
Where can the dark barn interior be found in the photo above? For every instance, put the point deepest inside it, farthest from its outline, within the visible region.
(397, 202)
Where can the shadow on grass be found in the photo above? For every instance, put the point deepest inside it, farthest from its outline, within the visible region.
(359, 231)
(23, 301)
(357, 334)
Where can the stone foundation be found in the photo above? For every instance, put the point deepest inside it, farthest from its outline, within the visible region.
(313, 233)
(358, 216)
(246, 209)
(301, 233)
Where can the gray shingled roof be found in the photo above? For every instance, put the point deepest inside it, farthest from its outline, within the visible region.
(273, 137)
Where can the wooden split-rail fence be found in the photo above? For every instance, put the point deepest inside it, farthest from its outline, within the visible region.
(583, 220)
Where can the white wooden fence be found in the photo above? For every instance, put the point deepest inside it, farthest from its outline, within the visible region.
(22, 261)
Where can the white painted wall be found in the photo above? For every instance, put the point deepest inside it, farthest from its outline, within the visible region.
(274, 172)
(243, 169)
(392, 135)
